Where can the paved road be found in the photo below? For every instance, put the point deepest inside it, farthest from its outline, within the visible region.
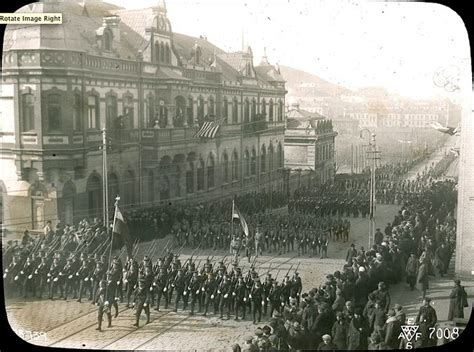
(69, 324)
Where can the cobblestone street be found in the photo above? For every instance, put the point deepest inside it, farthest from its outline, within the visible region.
(70, 324)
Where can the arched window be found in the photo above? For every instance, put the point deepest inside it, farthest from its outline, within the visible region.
(235, 166)
(263, 160)
(150, 111)
(211, 107)
(190, 111)
(164, 188)
(253, 163)
(225, 108)
(225, 167)
(279, 156)
(27, 112)
(76, 112)
(180, 105)
(54, 113)
(200, 175)
(210, 171)
(235, 111)
(128, 112)
(162, 52)
(280, 110)
(110, 110)
(200, 108)
(253, 110)
(246, 111)
(157, 52)
(264, 108)
(270, 110)
(247, 163)
(270, 157)
(167, 54)
(190, 177)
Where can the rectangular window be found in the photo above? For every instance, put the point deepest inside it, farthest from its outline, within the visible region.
(111, 111)
(54, 113)
(92, 112)
(28, 113)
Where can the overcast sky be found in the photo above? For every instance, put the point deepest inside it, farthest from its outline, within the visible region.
(395, 45)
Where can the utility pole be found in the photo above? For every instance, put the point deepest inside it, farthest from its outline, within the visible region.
(105, 186)
(372, 156)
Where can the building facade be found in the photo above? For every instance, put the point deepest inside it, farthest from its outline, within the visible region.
(151, 89)
(310, 143)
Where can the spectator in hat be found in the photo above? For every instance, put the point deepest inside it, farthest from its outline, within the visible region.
(411, 270)
(457, 302)
(392, 330)
(358, 332)
(326, 344)
(339, 331)
(426, 319)
(376, 342)
(378, 237)
(400, 314)
(249, 346)
(339, 302)
(383, 296)
(422, 277)
(361, 289)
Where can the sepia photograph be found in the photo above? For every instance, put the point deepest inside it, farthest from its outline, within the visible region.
(259, 176)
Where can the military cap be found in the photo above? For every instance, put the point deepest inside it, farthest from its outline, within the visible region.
(259, 332)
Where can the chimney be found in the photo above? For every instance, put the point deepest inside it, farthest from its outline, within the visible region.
(113, 23)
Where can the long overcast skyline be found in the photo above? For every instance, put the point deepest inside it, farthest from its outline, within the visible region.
(398, 46)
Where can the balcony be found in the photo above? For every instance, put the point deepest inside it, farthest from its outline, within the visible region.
(169, 135)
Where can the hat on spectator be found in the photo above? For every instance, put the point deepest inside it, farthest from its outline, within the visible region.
(326, 337)
(249, 339)
(361, 269)
(259, 332)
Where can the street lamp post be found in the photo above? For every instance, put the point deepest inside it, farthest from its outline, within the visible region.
(373, 157)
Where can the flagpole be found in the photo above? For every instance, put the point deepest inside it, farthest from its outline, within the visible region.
(232, 226)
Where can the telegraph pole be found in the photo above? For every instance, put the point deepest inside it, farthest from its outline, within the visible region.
(105, 186)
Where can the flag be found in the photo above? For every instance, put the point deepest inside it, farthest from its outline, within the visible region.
(121, 229)
(444, 129)
(209, 129)
(237, 215)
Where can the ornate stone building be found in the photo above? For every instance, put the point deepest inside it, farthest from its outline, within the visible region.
(310, 143)
(151, 89)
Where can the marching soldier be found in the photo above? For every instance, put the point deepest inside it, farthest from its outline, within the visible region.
(142, 302)
(53, 277)
(209, 289)
(256, 295)
(69, 280)
(240, 297)
(267, 286)
(224, 292)
(83, 275)
(27, 275)
(104, 305)
(131, 278)
(195, 292)
(160, 283)
(179, 285)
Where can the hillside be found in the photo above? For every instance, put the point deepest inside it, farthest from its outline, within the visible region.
(314, 85)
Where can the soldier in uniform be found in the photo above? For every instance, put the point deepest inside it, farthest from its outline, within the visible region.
(97, 276)
(68, 272)
(256, 295)
(83, 275)
(27, 276)
(53, 277)
(41, 276)
(142, 302)
(296, 287)
(267, 286)
(179, 285)
(209, 288)
(131, 278)
(240, 297)
(323, 244)
(160, 283)
(194, 290)
(104, 305)
(224, 292)
(426, 319)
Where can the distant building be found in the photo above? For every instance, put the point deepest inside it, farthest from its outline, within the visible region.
(310, 143)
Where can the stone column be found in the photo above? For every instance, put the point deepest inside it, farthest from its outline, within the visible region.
(169, 117)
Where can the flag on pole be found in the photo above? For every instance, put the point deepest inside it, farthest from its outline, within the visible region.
(445, 129)
(237, 215)
(121, 229)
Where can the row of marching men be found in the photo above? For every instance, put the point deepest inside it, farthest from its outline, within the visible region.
(212, 288)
